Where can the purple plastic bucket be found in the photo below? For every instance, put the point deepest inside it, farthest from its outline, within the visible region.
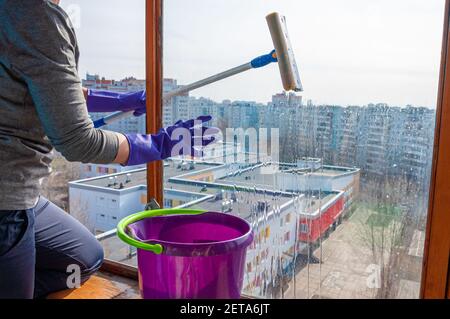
(202, 255)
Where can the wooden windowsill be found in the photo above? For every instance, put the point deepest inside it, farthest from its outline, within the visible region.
(102, 286)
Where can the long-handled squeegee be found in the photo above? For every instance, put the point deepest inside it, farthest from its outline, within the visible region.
(283, 54)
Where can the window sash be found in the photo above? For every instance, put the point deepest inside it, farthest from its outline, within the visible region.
(436, 267)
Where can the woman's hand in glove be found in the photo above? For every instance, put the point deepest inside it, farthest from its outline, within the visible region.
(105, 101)
(182, 138)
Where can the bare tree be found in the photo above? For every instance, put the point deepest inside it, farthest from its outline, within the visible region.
(387, 227)
(78, 210)
(56, 187)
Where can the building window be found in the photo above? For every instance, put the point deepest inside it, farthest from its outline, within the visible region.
(101, 201)
(288, 218)
(287, 237)
(113, 203)
(267, 233)
(304, 229)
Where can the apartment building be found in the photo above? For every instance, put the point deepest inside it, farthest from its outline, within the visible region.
(416, 142)
(308, 197)
(380, 139)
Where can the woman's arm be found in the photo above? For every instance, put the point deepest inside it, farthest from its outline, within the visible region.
(123, 152)
(124, 148)
(46, 60)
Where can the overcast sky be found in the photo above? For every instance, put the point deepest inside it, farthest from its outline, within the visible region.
(348, 51)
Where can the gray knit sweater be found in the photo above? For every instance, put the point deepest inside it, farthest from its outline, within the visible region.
(41, 101)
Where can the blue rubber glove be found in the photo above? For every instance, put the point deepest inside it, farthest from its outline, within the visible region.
(106, 101)
(183, 138)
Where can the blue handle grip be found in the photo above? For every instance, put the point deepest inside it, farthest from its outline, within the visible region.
(264, 60)
(99, 123)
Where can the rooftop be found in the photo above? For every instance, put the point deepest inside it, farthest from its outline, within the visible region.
(130, 179)
(228, 188)
(257, 176)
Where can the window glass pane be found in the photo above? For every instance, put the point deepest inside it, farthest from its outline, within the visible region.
(340, 210)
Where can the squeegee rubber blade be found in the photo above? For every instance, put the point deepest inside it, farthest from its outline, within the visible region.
(286, 59)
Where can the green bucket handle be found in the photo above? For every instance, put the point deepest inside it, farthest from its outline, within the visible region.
(157, 249)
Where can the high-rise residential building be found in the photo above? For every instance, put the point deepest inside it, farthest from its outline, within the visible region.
(244, 114)
(201, 106)
(283, 113)
(416, 142)
(379, 139)
(177, 107)
(325, 133)
(168, 104)
(381, 143)
(349, 136)
(376, 147)
(128, 84)
(306, 131)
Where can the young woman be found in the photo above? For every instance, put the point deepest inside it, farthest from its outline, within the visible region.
(42, 105)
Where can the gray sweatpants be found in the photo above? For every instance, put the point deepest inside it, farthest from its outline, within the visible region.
(42, 250)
